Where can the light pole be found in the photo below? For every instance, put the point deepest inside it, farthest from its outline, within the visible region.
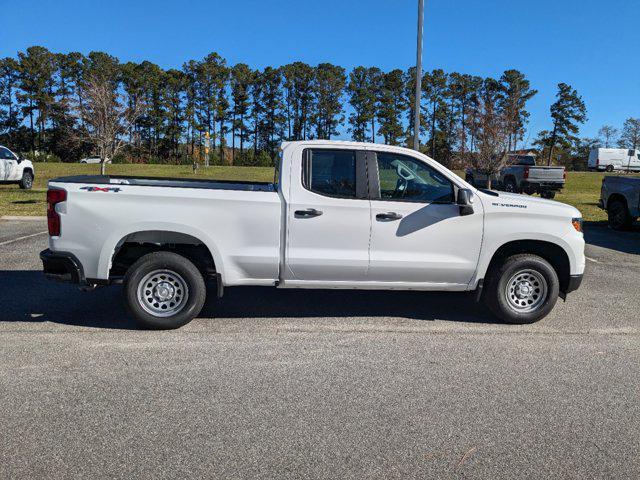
(418, 92)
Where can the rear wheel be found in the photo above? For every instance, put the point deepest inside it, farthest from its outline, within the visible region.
(27, 181)
(164, 290)
(524, 289)
(618, 215)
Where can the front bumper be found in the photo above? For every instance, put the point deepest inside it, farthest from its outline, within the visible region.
(574, 283)
(62, 267)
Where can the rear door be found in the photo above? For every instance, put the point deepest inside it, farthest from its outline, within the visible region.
(417, 233)
(328, 217)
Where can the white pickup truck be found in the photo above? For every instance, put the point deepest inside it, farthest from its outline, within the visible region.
(15, 169)
(339, 215)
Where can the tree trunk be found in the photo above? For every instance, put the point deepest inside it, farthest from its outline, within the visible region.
(233, 138)
(241, 135)
(553, 143)
(433, 131)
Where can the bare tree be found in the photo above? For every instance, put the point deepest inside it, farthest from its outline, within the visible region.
(107, 117)
(608, 134)
(630, 137)
(491, 127)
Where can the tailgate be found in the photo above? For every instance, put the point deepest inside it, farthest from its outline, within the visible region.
(546, 174)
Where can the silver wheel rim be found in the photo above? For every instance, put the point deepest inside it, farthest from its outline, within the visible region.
(163, 293)
(526, 291)
(27, 181)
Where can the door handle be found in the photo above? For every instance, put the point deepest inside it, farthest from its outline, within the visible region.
(388, 216)
(309, 212)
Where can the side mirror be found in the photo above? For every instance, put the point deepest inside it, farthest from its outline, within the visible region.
(465, 201)
(631, 153)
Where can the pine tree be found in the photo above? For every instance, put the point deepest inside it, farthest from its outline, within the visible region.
(241, 78)
(328, 88)
(391, 107)
(567, 113)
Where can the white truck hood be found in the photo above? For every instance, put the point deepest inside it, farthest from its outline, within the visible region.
(535, 204)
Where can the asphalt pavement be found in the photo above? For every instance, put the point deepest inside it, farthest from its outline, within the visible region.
(319, 384)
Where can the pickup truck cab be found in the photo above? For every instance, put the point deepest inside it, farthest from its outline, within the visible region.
(522, 175)
(339, 215)
(620, 197)
(15, 169)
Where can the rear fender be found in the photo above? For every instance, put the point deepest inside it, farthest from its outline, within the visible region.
(117, 238)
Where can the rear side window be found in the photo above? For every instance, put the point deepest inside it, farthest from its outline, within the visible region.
(330, 172)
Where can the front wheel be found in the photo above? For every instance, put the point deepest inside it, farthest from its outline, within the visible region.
(27, 181)
(510, 186)
(548, 194)
(609, 168)
(524, 289)
(164, 290)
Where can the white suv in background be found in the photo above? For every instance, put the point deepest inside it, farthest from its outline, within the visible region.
(15, 169)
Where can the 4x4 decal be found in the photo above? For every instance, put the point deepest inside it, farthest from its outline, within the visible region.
(101, 189)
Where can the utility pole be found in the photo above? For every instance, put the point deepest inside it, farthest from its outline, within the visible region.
(418, 92)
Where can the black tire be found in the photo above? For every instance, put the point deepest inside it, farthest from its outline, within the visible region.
(618, 215)
(548, 194)
(178, 272)
(609, 168)
(542, 280)
(27, 181)
(510, 186)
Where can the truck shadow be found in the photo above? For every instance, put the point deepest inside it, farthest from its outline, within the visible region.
(600, 235)
(26, 296)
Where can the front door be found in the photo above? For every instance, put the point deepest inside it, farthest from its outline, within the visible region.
(328, 218)
(417, 234)
(5, 155)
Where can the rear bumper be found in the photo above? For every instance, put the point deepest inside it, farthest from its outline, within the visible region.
(62, 267)
(574, 283)
(541, 185)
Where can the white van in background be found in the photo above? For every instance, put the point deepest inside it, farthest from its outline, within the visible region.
(610, 159)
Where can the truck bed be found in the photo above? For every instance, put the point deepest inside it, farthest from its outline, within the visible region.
(167, 182)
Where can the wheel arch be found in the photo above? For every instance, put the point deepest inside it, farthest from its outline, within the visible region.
(125, 246)
(617, 196)
(552, 252)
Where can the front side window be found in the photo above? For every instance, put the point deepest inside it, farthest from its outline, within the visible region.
(330, 172)
(5, 154)
(404, 178)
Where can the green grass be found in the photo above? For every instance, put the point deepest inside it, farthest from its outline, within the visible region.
(582, 189)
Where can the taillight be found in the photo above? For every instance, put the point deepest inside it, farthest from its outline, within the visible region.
(597, 162)
(54, 196)
(526, 172)
(564, 175)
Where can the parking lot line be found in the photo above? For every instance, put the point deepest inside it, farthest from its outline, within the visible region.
(22, 238)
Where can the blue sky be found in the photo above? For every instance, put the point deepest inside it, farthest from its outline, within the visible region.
(592, 45)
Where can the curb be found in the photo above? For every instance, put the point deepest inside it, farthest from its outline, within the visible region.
(22, 218)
